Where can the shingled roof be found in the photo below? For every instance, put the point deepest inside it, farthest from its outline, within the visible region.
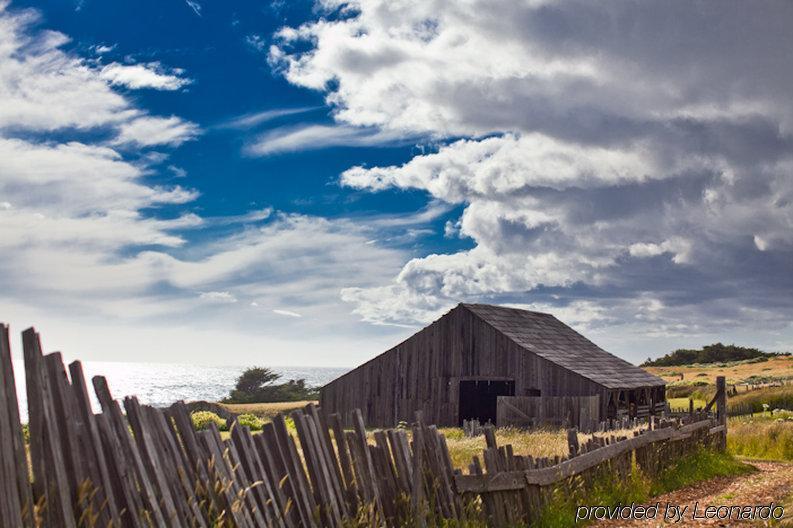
(548, 337)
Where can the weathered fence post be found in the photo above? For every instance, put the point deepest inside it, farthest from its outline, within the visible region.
(572, 441)
(721, 399)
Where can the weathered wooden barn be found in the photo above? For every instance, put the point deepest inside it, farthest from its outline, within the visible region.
(477, 358)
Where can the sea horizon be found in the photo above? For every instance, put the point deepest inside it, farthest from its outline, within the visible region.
(161, 384)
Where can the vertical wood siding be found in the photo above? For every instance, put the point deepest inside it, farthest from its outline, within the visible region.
(423, 373)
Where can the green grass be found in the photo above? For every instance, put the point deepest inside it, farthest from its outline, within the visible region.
(763, 436)
(705, 464)
(681, 404)
(774, 397)
(702, 465)
(266, 410)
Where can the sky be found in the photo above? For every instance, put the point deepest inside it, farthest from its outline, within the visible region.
(309, 183)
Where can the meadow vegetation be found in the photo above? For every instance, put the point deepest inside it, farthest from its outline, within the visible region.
(766, 436)
(266, 411)
(753, 371)
(768, 398)
(639, 488)
(203, 419)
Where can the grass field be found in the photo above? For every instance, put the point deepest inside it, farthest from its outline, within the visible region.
(266, 410)
(737, 372)
(681, 404)
(766, 436)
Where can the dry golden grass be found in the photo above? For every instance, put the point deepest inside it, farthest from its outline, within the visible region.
(266, 410)
(736, 373)
(537, 443)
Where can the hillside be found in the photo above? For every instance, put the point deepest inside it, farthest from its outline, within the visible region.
(748, 372)
(715, 353)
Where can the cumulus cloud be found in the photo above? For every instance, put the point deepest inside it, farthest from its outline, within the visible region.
(136, 76)
(608, 152)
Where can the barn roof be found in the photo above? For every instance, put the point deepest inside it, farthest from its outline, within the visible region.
(548, 337)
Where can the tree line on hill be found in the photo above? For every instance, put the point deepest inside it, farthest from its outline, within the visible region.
(258, 385)
(715, 353)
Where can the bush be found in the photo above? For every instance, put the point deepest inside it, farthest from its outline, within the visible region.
(251, 421)
(202, 419)
(715, 353)
(26, 432)
(257, 385)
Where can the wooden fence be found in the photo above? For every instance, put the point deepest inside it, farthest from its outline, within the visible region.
(145, 466)
(582, 412)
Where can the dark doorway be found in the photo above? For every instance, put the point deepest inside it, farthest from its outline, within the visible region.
(478, 398)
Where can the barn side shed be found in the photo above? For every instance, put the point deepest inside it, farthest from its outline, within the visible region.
(457, 368)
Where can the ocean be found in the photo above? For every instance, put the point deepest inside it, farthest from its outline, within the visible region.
(161, 384)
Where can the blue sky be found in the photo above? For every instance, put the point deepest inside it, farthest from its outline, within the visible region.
(310, 182)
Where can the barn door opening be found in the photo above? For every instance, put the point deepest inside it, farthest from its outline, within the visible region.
(479, 398)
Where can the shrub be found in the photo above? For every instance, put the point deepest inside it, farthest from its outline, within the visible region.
(202, 419)
(26, 432)
(257, 385)
(251, 421)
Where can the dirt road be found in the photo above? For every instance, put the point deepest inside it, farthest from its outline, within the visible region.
(772, 483)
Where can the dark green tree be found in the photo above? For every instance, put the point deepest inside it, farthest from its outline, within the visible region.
(254, 379)
(257, 385)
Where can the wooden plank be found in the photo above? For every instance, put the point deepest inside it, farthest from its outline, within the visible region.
(302, 491)
(344, 459)
(183, 487)
(92, 445)
(210, 440)
(62, 397)
(17, 497)
(255, 470)
(515, 479)
(417, 499)
(360, 431)
(122, 480)
(247, 493)
(134, 461)
(326, 466)
(326, 445)
(267, 448)
(50, 468)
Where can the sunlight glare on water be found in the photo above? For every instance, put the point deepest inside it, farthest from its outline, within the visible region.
(161, 384)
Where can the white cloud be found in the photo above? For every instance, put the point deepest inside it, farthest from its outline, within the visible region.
(149, 130)
(257, 118)
(287, 313)
(580, 139)
(137, 76)
(314, 137)
(680, 247)
(222, 297)
(256, 42)
(195, 6)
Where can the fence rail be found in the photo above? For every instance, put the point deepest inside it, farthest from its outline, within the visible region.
(139, 466)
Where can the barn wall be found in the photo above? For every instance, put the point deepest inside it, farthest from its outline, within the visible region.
(423, 373)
